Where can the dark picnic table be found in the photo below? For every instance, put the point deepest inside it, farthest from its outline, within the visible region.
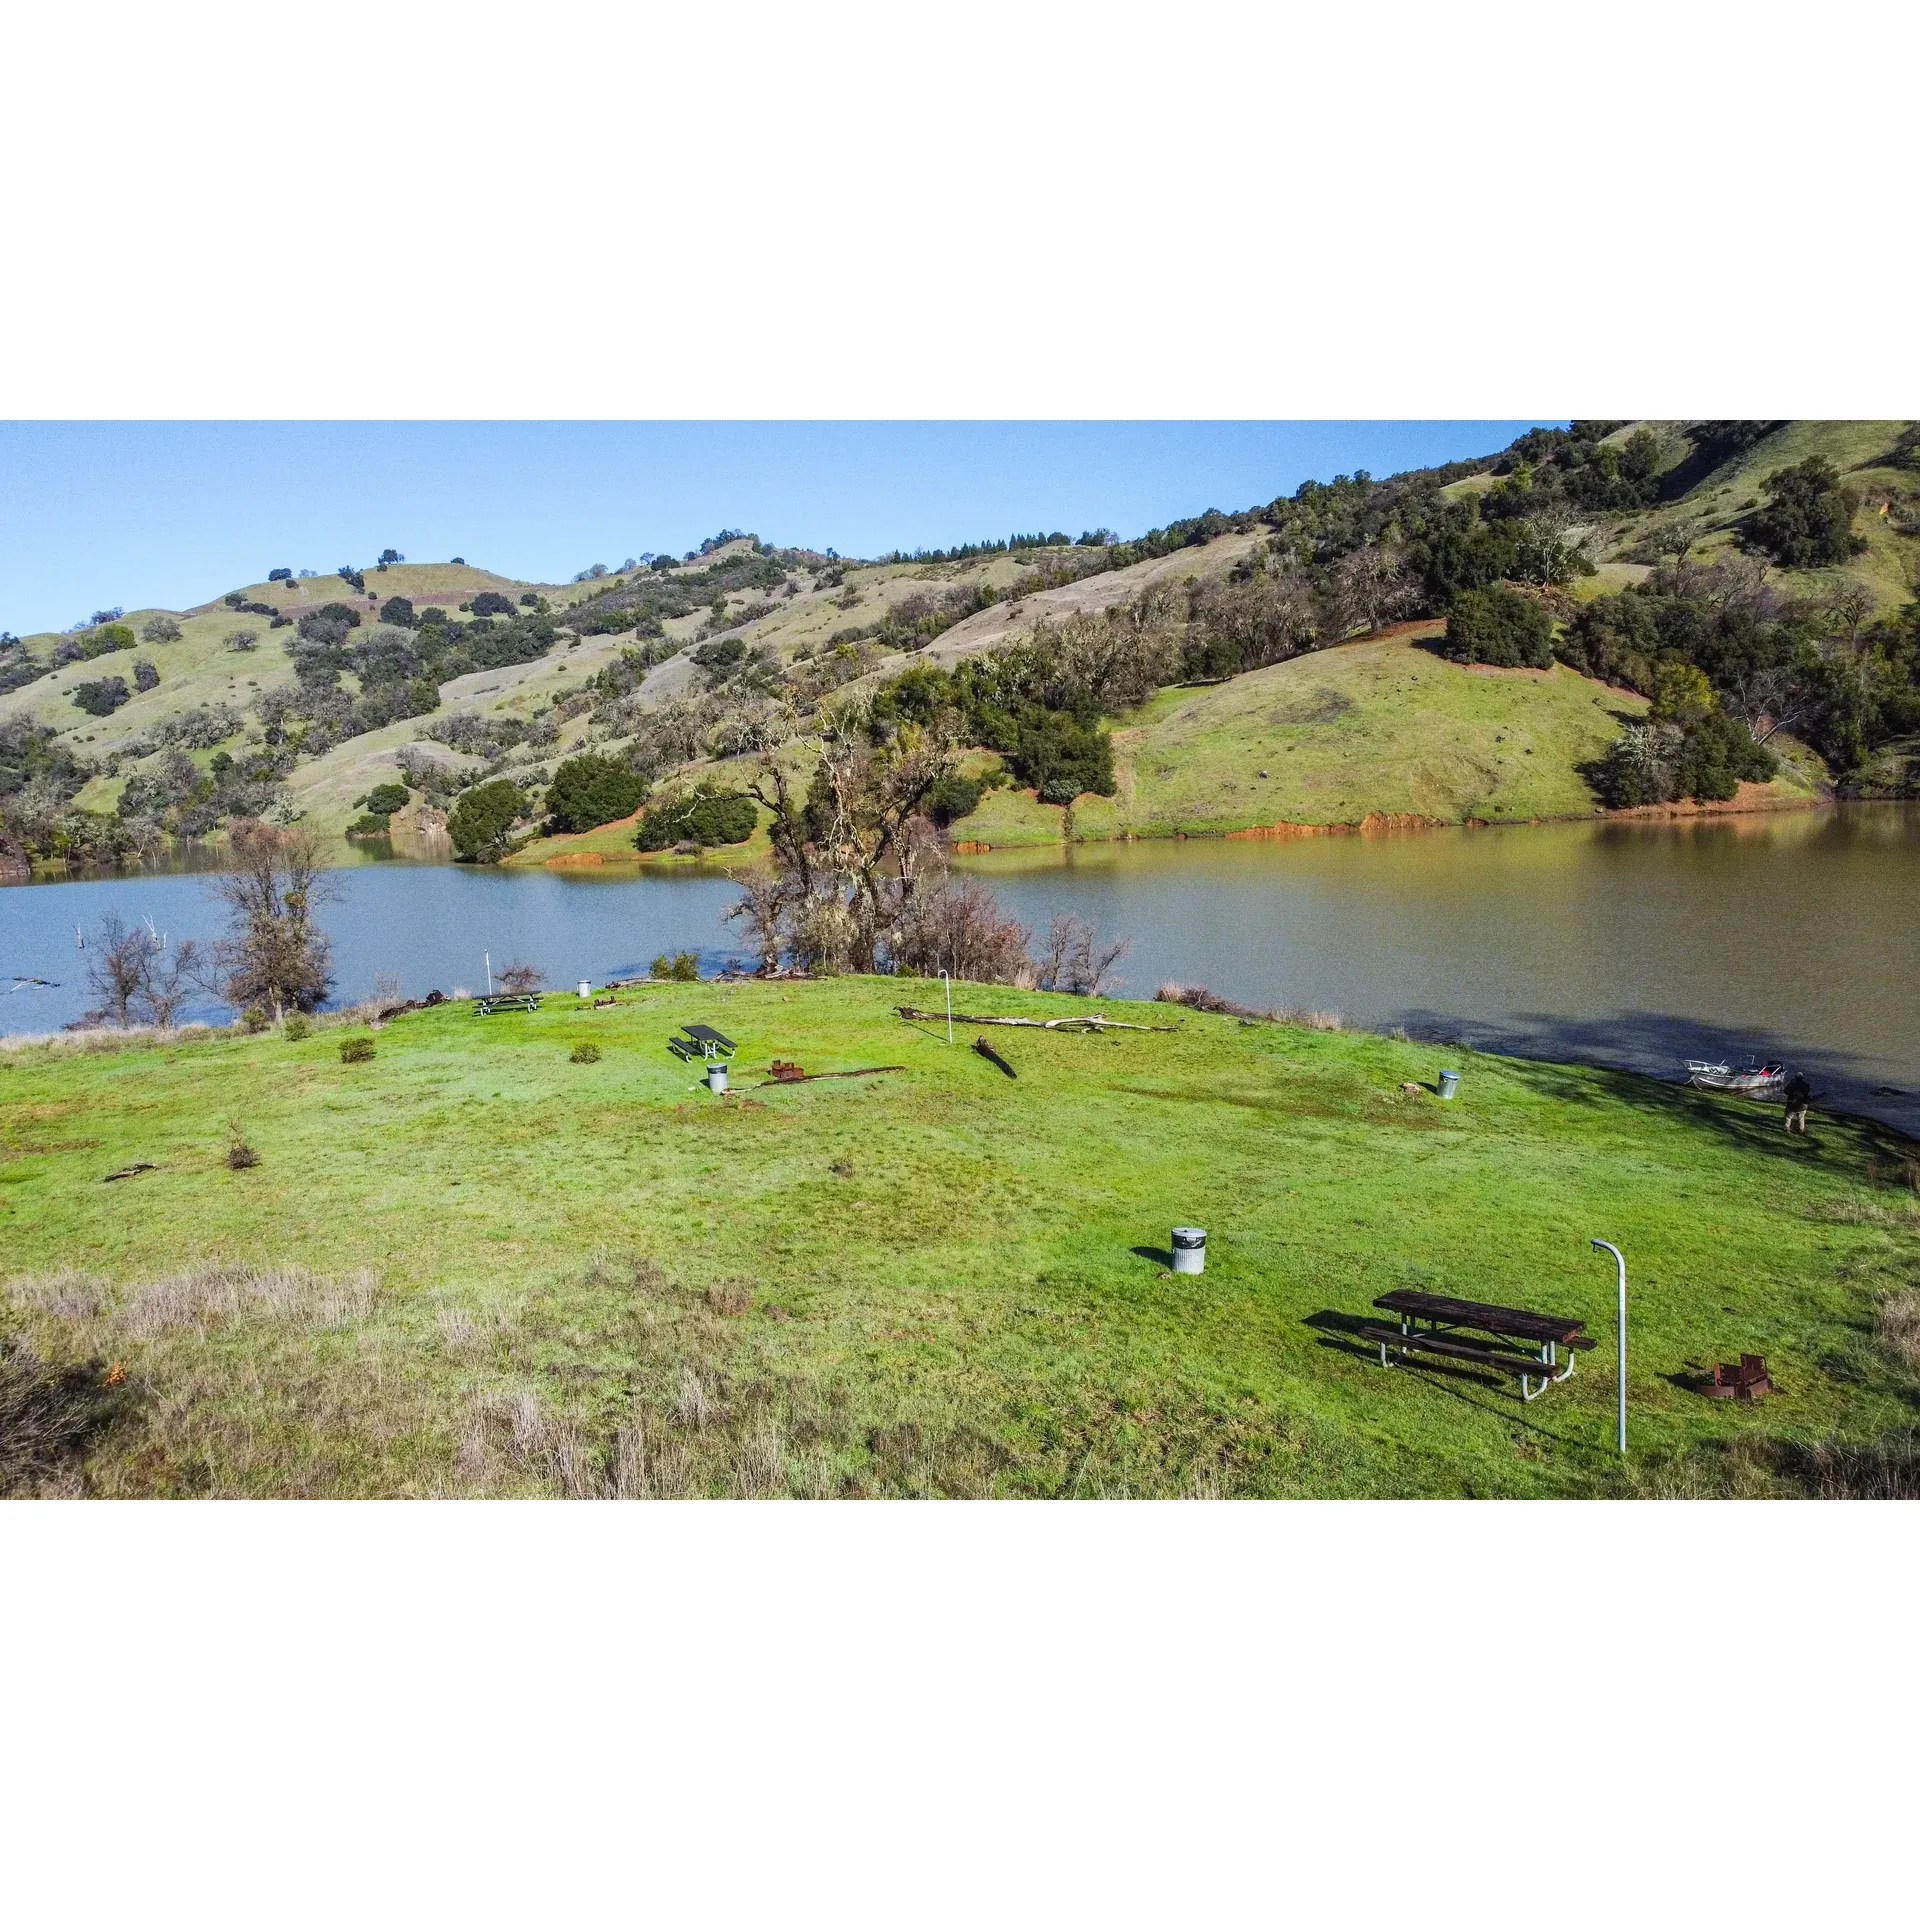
(702, 1043)
(1517, 1340)
(508, 1003)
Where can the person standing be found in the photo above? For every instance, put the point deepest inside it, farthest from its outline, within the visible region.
(1799, 1099)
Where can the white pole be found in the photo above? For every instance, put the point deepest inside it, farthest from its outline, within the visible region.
(1621, 1259)
(488, 958)
(948, 978)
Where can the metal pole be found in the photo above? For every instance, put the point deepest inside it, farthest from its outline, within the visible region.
(948, 978)
(1621, 1260)
(488, 958)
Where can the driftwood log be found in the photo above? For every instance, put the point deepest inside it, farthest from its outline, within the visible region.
(986, 1052)
(849, 1073)
(1067, 1023)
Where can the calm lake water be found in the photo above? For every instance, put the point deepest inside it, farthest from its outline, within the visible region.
(1795, 936)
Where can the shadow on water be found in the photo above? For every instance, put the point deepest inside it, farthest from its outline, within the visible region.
(1649, 1052)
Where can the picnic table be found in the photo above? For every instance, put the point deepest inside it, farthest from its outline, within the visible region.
(702, 1043)
(1518, 1340)
(508, 1003)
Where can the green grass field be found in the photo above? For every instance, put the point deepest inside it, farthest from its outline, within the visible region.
(470, 1265)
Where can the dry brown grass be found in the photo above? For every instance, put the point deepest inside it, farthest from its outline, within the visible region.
(49, 1414)
(213, 1291)
(1899, 1327)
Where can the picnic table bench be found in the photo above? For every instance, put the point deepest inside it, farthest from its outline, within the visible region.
(1451, 1323)
(508, 1003)
(702, 1043)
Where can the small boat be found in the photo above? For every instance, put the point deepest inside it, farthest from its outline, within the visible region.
(1755, 1081)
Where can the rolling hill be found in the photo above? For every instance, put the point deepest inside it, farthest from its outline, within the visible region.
(1378, 725)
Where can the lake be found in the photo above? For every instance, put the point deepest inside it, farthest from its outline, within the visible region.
(1792, 935)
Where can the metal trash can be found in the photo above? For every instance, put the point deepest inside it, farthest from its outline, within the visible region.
(586, 989)
(716, 1076)
(1189, 1249)
(1449, 1083)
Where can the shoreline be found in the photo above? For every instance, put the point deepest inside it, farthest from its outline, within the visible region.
(1755, 802)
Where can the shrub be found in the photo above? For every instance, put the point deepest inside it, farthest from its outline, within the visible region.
(1702, 754)
(255, 1019)
(241, 640)
(397, 612)
(296, 1026)
(585, 1054)
(710, 816)
(521, 976)
(591, 789)
(146, 676)
(1062, 756)
(101, 697)
(112, 638)
(1496, 627)
(675, 966)
(355, 1049)
(162, 630)
(483, 817)
(240, 1154)
(952, 798)
(487, 604)
(1808, 518)
(389, 797)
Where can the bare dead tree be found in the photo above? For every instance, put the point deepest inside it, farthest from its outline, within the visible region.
(173, 973)
(117, 966)
(274, 955)
(1075, 962)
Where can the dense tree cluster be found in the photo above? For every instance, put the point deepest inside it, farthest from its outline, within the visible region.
(591, 789)
(1807, 520)
(1819, 666)
(1496, 627)
(708, 816)
(483, 818)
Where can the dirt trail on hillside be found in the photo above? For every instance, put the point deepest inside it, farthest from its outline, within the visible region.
(996, 625)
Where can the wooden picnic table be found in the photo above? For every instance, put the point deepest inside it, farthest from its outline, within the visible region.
(508, 1003)
(1507, 1328)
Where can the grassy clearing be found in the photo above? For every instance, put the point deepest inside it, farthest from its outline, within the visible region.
(474, 1265)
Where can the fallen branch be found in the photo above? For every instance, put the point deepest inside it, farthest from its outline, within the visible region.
(981, 1047)
(1067, 1023)
(849, 1073)
(127, 1173)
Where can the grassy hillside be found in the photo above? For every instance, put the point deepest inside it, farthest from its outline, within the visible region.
(470, 1265)
(1395, 731)
(1382, 728)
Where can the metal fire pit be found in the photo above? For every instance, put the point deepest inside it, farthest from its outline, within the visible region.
(1746, 1381)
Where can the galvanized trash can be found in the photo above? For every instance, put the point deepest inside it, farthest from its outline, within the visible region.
(1189, 1249)
(586, 989)
(1449, 1083)
(716, 1076)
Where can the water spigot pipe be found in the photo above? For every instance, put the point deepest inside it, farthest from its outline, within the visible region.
(1620, 1259)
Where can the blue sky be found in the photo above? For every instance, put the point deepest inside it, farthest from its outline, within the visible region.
(160, 513)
